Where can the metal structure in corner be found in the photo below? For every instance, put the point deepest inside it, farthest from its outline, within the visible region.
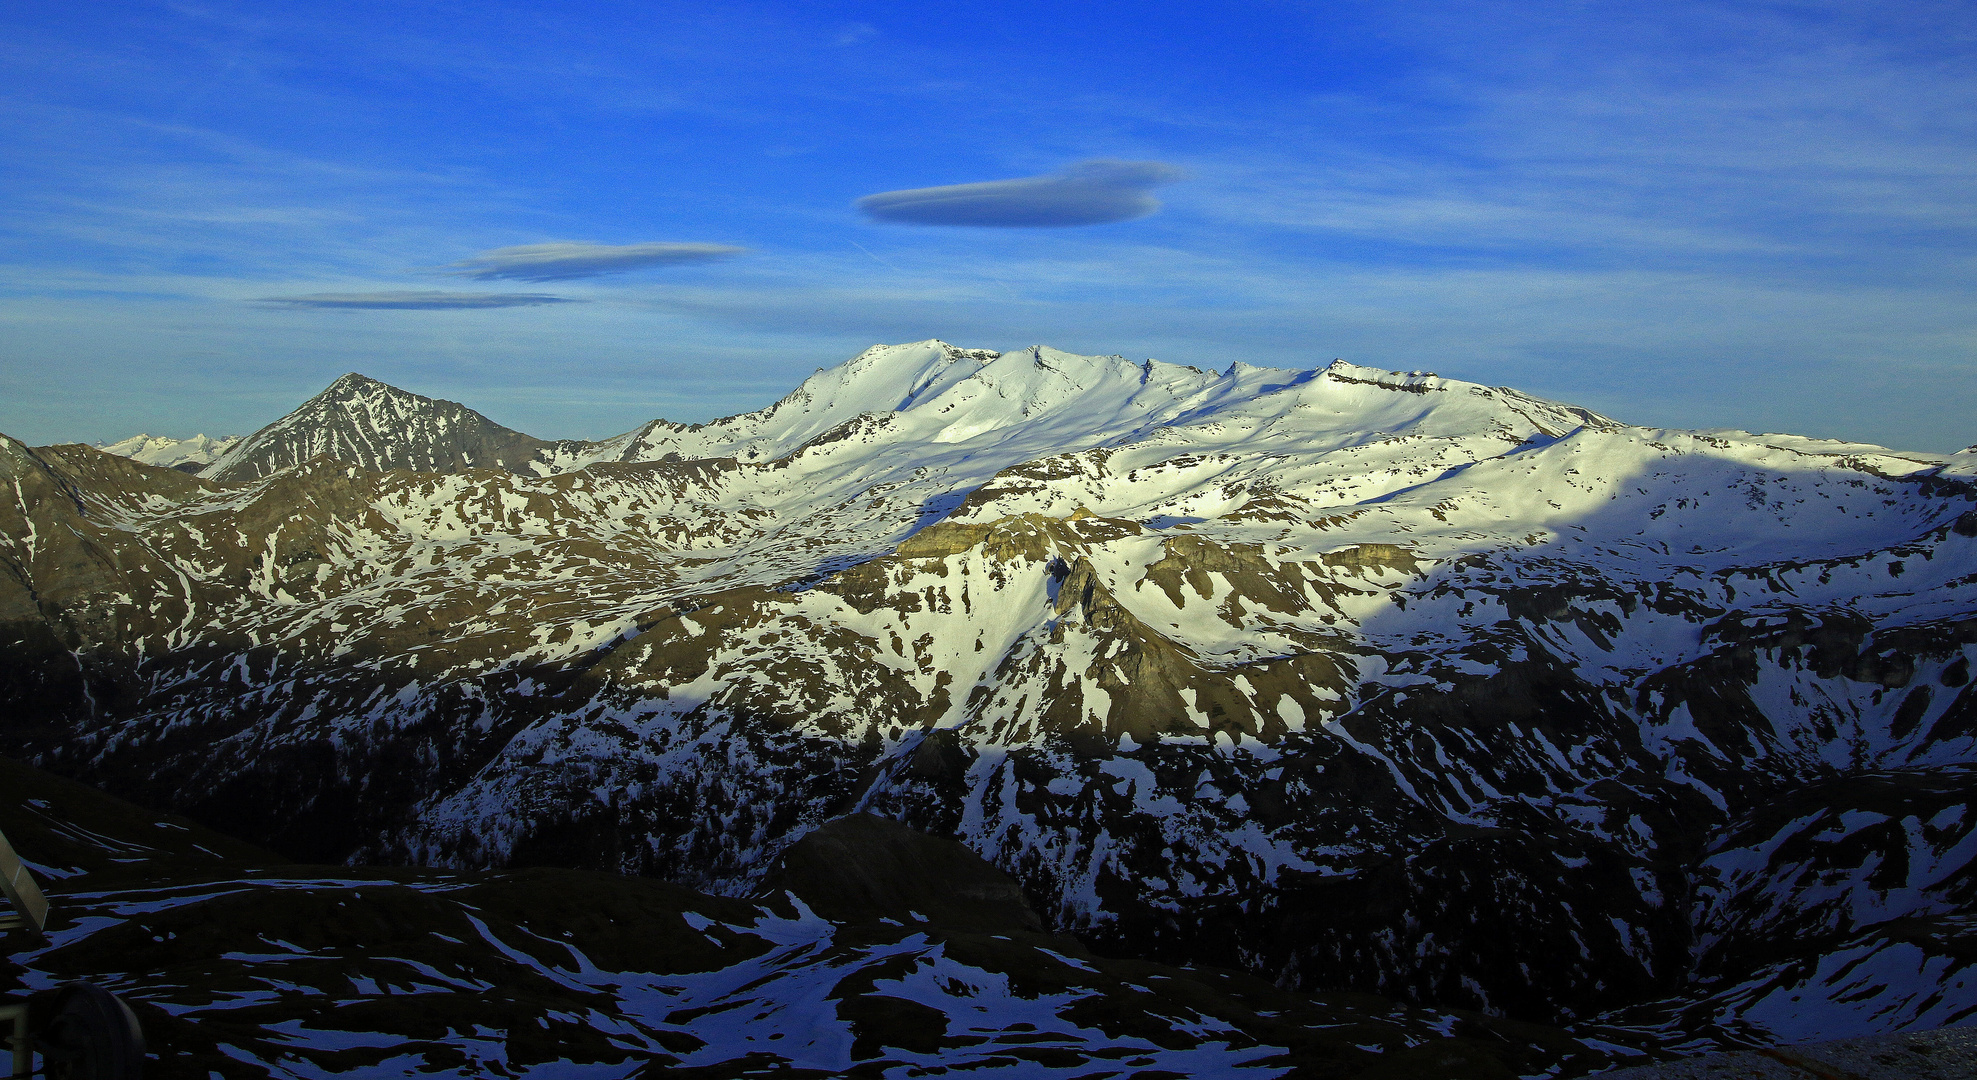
(82, 1031)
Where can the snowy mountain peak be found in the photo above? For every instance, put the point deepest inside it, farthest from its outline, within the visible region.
(356, 381)
(1345, 371)
(378, 426)
(883, 378)
(1239, 370)
(933, 392)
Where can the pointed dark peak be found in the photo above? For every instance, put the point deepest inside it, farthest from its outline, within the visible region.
(379, 427)
(356, 385)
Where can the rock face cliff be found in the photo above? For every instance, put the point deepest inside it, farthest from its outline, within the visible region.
(1346, 676)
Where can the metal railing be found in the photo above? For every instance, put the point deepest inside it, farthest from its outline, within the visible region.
(86, 1030)
(23, 1046)
(30, 911)
(30, 908)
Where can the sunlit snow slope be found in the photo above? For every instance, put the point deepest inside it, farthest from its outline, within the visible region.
(1347, 676)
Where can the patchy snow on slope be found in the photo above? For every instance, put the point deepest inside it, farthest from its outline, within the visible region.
(1191, 653)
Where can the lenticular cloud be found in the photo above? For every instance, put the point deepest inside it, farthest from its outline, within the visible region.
(414, 301)
(1089, 193)
(564, 260)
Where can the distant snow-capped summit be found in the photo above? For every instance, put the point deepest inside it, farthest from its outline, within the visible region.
(190, 455)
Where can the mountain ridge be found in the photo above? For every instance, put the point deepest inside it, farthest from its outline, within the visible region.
(1347, 677)
(829, 398)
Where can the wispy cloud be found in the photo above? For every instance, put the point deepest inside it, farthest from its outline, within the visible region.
(1089, 193)
(853, 33)
(1734, 212)
(565, 260)
(427, 300)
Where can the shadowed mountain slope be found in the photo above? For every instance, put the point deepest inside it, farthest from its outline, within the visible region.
(240, 965)
(863, 867)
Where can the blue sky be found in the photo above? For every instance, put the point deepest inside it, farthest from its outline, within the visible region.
(1754, 215)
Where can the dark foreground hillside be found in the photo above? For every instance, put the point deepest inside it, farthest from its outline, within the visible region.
(243, 965)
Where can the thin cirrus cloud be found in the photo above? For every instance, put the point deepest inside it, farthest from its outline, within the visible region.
(427, 300)
(1088, 193)
(566, 260)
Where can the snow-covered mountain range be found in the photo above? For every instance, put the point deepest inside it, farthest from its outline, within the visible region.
(1346, 676)
(190, 455)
